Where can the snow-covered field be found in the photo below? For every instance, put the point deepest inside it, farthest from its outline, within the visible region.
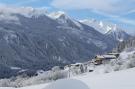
(115, 80)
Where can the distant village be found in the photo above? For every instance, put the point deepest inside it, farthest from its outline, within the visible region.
(79, 68)
(98, 60)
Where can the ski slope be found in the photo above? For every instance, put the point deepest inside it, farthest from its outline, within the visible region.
(115, 80)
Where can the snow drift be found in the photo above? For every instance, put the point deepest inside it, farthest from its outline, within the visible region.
(67, 84)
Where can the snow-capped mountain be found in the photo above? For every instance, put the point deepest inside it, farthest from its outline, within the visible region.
(118, 34)
(34, 40)
(109, 29)
(59, 15)
(98, 25)
(65, 20)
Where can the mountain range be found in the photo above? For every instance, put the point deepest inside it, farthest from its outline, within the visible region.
(32, 39)
(108, 29)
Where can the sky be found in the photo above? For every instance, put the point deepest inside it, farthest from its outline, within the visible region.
(121, 12)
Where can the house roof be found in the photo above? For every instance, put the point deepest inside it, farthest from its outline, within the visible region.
(76, 64)
(105, 56)
(100, 56)
(113, 53)
(109, 56)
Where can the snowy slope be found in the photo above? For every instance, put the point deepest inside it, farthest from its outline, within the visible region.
(67, 84)
(118, 34)
(101, 26)
(116, 80)
(98, 25)
(62, 18)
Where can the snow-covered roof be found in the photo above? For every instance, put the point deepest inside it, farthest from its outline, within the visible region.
(105, 56)
(109, 56)
(100, 56)
(76, 64)
(113, 53)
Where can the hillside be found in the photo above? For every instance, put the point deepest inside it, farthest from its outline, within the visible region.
(116, 80)
(30, 40)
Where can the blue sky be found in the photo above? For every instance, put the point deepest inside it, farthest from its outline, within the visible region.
(121, 12)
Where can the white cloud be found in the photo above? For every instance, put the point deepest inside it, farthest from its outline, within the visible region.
(130, 12)
(106, 6)
(26, 11)
(11, 9)
(126, 21)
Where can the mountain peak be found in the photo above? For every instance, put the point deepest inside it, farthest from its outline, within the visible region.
(114, 29)
(98, 25)
(109, 29)
(118, 34)
(101, 26)
(58, 14)
(64, 19)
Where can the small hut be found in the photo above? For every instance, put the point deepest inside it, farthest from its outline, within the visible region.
(98, 59)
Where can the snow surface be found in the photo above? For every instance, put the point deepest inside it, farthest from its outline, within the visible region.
(125, 54)
(115, 80)
(56, 15)
(63, 18)
(68, 84)
(100, 26)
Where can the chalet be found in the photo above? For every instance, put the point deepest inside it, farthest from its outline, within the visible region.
(108, 57)
(100, 58)
(115, 54)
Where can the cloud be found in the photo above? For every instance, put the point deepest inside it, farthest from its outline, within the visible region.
(105, 6)
(26, 11)
(130, 12)
(126, 21)
(105, 14)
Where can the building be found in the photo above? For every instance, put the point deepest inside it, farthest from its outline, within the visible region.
(99, 59)
(115, 54)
